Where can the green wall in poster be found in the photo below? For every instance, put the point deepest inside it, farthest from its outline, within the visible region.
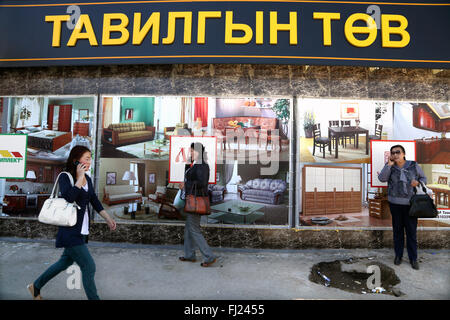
(143, 109)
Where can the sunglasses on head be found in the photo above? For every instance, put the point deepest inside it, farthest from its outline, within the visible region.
(396, 152)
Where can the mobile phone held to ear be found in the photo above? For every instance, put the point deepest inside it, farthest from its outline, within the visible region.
(76, 163)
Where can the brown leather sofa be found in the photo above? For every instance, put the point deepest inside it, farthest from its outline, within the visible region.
(119, 134)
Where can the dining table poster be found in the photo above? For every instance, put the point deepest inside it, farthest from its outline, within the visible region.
(380, 152)
(13, 154)
(180, 153)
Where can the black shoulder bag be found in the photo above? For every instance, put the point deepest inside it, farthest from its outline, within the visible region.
(422, 206)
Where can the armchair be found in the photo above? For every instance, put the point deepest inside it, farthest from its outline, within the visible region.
(216, 193)
(159, 195)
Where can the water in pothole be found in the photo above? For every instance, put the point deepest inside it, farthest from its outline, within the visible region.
(353, 275)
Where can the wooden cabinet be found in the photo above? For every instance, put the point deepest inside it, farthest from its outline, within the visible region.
(444, 125)
(428, 149)
(445, 145)
(379, 208)
(81, 128)
(328, 190)
(59, 117)
(16, 204)
(424, 118)
(56, 172)
(47, 175)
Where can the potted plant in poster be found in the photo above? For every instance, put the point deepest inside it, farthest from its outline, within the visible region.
(24, 115)
(281, 109)
(308, 124)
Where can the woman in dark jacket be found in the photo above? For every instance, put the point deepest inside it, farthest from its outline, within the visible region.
(196, 179)
(74, 239)
(402, 176)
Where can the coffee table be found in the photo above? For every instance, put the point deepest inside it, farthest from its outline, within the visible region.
(156, 150)
(235, 211)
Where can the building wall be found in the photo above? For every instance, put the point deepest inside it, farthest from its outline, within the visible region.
(143, 109)
(231, 80)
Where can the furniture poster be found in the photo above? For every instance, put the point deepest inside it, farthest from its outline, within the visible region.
(331, 189)
(381, 153)
(331, 130)
(54, 124)
(428, 124)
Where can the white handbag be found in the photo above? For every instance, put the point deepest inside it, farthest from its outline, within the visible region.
(57, 211)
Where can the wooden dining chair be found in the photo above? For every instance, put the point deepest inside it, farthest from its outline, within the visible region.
(442, 197)
(378, 131)
(347, 123)
(442, 180)
(333, 124)
(321, 142)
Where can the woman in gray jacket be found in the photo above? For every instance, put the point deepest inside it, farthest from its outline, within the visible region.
(402, 176)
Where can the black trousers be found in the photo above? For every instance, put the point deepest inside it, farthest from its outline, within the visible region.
(401, 222)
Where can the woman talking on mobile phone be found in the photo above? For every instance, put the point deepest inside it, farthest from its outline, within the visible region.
(402, 176)
(73, 239)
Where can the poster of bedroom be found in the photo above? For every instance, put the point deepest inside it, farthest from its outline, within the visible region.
(54, 124)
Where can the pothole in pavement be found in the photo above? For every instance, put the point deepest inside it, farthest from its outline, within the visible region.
(353, 275)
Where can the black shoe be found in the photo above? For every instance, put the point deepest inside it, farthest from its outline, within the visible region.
(397, 261)
(415, 265)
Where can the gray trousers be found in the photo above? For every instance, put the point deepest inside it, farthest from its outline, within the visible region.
(193, 238)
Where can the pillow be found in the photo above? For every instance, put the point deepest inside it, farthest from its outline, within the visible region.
(32, 129)
(265, 184)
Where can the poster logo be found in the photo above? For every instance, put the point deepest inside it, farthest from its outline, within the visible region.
(13, 154)
(10, 156)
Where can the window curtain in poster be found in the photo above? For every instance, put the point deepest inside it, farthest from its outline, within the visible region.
(27, 112)
(187, 111)
(107, 112)
(167, 112)
(201, 110)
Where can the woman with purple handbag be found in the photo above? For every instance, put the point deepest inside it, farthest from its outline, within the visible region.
(195, 186)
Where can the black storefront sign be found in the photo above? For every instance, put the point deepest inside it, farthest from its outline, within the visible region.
(358, 33)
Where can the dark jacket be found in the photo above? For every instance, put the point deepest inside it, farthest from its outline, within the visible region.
(71, 236)
(196, 178)
(399, 181)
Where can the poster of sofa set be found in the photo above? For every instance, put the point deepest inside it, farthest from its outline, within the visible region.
(249, 167)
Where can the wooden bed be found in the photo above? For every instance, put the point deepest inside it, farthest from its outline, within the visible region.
(49, 139)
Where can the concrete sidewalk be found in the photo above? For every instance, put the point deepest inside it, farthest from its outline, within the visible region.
(129, 271)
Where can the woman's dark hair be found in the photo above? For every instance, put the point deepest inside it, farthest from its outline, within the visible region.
(197, 146)
(399, 146)
(75, 154)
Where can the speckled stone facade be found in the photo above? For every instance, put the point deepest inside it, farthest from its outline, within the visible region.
(263, 238)
(231, 80)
